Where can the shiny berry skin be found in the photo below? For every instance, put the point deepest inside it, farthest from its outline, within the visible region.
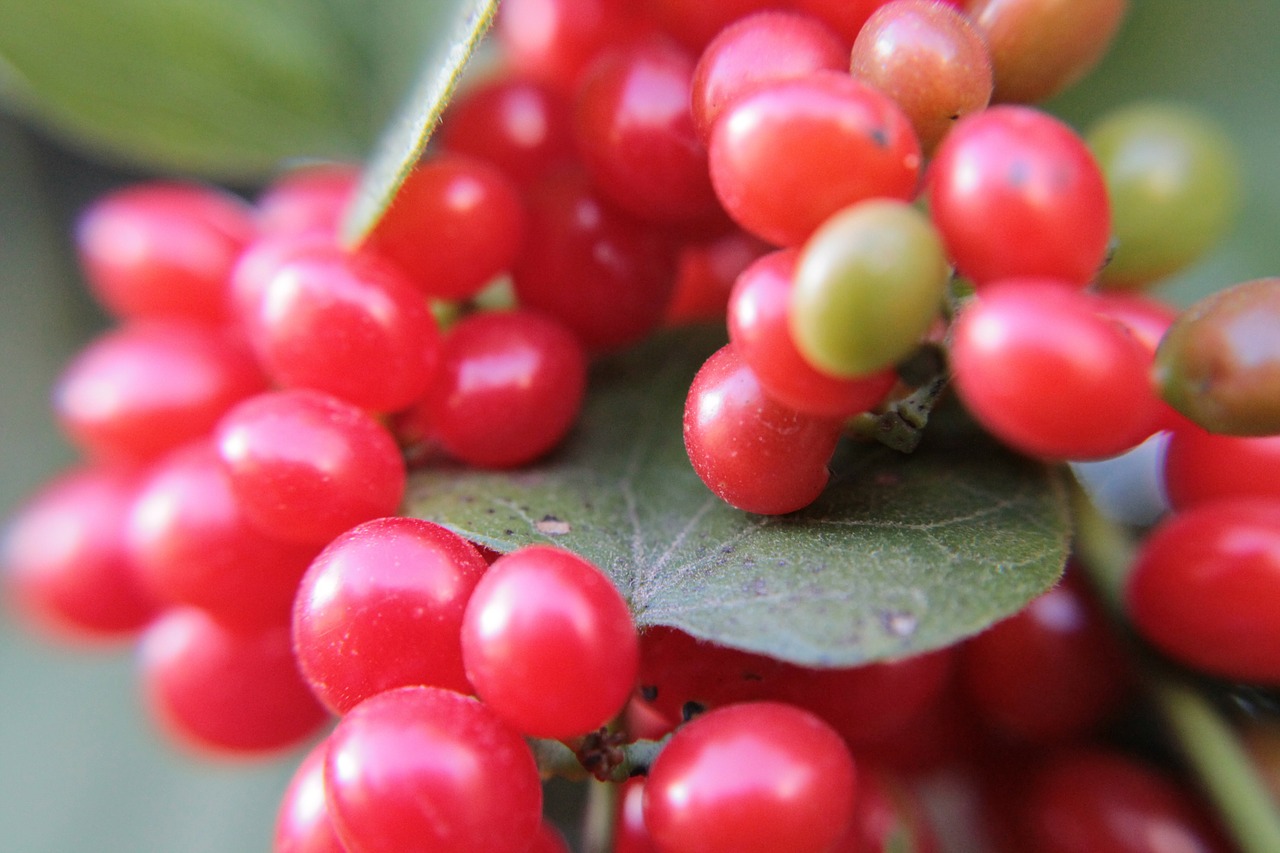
(635, 134)
(520, 126)
(302, 821)
(630, 835)
(756, 49)
(193, 545)
(869, 283)
(758, 326)
(848, 17)
(425, 770)
(225, 692)
(457, 222)
(705, 275)
(508, 388)
(547, 839)
(1040, 47)
(697, 24)
(1204, 586)
(1015, 192)
(1053, 670)
(345, 325)
(1219, 363)
(928, 57)
(67, 567)
(605, 275)
(1096, 801)
(143, 389)
(307, 200)
(759, 776)
(381, 607)
(789, 154)
(163, 249)
(554, 41)
(1044, 372)
(751, 451)
(1201, 467)
(306, 466)
(549, 644)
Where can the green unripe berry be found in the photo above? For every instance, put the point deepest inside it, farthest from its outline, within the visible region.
(1174, 186)
(868, 284)
(1219, 363)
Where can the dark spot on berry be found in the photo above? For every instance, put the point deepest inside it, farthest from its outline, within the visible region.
(689, 710)
(649, 692)
(880, 138)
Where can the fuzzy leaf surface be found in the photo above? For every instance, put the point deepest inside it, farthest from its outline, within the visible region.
(228, 89)
(901, 554)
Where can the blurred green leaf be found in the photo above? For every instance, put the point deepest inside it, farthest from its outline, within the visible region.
(404, 140)
(227, 89)
(900, 554)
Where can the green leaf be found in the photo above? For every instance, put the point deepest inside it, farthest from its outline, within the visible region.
(226, 89)
(900, 555)
(403, 142)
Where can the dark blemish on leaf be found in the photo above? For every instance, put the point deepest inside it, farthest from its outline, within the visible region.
(549, 525)
(508, 532)
(489, 510)
(879, 137)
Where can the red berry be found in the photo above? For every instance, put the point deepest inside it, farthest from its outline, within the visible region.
(508, 388)
(705, 274)
(66, 563)
(457, 222)
(381, 607)
(606, 276)
(754, 453)
(753, 777)
(759, 327)
(758, 49)
(193, 544)
(549, 643)
(1092, 801)
(141, 390)
(635, 134)
(1052, 671)
(302, 822)
(1204, 586)
(1201, 467)
(306, 466)
(425, 770)
(790, 153)
(1015, 192)
(1041, 369)
(345, 325)
(696, 24)
(554, 41)
(163, 249)
(516, 124)
(308, 200)
(223, 691)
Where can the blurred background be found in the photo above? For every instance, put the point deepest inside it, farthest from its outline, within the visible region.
(80, 767)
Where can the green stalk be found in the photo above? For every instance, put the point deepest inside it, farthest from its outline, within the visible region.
(601, 816)
(1209, 743)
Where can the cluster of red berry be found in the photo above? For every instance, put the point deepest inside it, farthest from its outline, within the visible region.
(634, 165)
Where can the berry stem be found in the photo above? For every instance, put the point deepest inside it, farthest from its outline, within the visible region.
(600, 817)
(1207, 740)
